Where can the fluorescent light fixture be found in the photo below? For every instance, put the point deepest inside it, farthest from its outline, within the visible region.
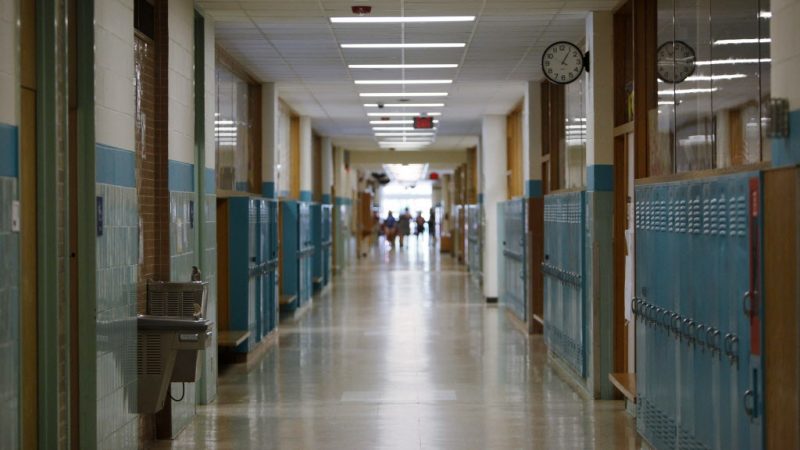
(225, 129)
(765, 15)
(402, 114)
(418, 19)
(402, 134)
(576, 127)
(666, 103)
(403, 66)
(688, 91)
(732, 76)
(403, 94)
(428, 45)
(397, 129)
(723, 62)
(223, 122)
(395, 122)
(404, 81)
(742, 41)
(406, 105)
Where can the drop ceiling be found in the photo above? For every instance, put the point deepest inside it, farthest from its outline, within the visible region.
(293, 43)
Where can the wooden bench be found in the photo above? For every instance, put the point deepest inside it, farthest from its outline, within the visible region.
(625, 383)
(287, 299)
(231, 338)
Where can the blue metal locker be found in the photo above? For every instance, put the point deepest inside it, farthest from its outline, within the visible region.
(326, 242)
(563, 267)
(513, 289)
(698, 270)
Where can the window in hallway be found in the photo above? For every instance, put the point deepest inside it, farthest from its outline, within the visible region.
(397, 197)
(709, 112)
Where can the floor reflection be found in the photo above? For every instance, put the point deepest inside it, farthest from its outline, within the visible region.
(402, 352)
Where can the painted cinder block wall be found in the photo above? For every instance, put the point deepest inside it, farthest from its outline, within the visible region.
(207, 390)
(9, 240)
(118, 246)
(182, 197)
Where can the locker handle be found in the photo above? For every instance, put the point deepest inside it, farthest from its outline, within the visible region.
(749, 402)
(666, 320)
(634, 306)
(731, 347)
(657, 317)
(675, 325)
(697, 334)
(686, 329)
(712, 338)
(747, 304)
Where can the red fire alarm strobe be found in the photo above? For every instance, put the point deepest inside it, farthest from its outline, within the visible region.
(361, 10)
(423, 122)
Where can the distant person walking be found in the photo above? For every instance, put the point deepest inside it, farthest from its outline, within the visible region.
(390, 228)
(432, 225)
(404, 225)
(420, 221)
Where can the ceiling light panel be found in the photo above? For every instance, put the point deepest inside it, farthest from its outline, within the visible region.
(395, 122)
(402, 114)
(402, 66)
(405, 105)
(428, 45)
(397, 129)
(402, 94)
(403, 82)
(397, 19)
(408, 134)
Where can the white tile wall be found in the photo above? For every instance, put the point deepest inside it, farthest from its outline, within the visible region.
(785, 50)
(211, 94)
(8, 62)
(181, 80)
(114, 88)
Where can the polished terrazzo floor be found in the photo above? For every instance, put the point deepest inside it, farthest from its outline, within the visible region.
(402, 352)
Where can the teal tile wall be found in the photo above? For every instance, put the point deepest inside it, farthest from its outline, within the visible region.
(117, 272)
(183, 242)
(9, 318)
(208, 391)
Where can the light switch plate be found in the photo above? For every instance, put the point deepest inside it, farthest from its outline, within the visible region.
(15, 216)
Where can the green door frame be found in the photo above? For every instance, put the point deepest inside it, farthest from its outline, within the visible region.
(87, 230)
(47, 219)
(51, 31)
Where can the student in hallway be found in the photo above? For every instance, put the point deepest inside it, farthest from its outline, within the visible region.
(404, 225)
(390, 228)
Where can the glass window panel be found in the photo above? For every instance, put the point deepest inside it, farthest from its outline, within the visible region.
(713, 118)
(573, 143)
(232, 129)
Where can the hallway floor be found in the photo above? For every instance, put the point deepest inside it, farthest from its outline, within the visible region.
(402, 352)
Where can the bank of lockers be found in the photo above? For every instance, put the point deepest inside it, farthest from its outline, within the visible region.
(298, 250)
(698, 364)
(513, 283)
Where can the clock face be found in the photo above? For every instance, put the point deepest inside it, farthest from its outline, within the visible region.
(562, 62)
(675, 61)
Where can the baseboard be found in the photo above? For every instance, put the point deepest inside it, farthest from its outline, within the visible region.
(568, 376)
(518, 323)
(492, 300)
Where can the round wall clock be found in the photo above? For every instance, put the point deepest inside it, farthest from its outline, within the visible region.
(563, 62)
(675, 61)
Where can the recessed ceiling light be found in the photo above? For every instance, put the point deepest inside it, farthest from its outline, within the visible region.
(405, 105)
(404, 81)
(395, 122)
(402, 114)
(403, 94)
(409, 134)
(418, 19)
(428, 45)
(402, 66)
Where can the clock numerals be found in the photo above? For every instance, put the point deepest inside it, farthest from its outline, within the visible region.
(562, 62)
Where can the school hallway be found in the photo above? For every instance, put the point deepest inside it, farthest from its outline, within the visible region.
(402, 351)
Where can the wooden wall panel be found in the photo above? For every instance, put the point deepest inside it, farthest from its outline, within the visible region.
(294, 159)
(781, 318)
